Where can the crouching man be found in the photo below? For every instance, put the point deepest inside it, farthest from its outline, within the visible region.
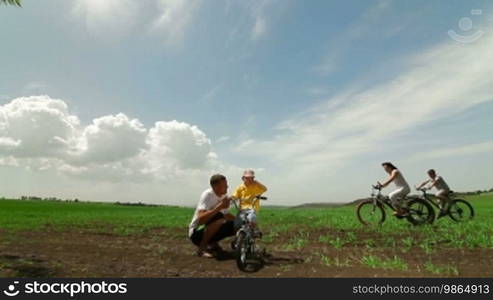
(212, 221)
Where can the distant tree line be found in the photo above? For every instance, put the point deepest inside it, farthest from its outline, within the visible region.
(478, 192)
(36, 198)
(134, 204)
(48, 199)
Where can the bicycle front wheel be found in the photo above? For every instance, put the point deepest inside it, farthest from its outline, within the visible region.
(370, 214)
(420, 212)
(460, 210)
(242, 251)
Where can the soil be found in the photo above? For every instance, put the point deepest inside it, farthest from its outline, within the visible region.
(167, 252)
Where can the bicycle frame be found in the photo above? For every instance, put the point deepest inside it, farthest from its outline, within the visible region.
(380, 198)
(426, 196)
(416, 211)
(244, 220)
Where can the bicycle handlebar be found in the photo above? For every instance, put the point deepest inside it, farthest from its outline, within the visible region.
(377, 187)
(257, 198)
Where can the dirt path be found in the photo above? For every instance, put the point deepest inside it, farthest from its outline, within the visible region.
(168, 253)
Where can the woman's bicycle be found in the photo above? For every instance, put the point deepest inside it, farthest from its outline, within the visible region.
(372, 211)
(248, 255)
(459, 210)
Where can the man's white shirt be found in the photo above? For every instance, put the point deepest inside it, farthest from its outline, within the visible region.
(208, 200)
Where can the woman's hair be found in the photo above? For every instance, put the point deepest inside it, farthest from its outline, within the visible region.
(389, 164)
(431, 171)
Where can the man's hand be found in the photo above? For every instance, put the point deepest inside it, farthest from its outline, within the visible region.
(224, 203)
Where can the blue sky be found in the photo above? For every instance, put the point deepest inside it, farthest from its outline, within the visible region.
(314, 95)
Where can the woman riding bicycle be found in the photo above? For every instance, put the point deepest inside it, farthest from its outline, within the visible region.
(402, 187)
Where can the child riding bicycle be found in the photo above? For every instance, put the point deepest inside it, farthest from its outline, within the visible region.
(246, 192)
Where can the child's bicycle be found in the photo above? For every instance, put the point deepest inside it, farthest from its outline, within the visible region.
(372, 211)
(459, 210)
(246, 251)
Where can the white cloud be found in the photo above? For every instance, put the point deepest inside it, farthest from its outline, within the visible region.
(34, 87)
(168, 19)
(108, 15)
(260, 22)
(36, 126)
(9, 161)
(223, 139)
(40, 134)
(450, 151)
(259, 27)
(8, 143)
(109, 139)
(176, 146)
(174, 19)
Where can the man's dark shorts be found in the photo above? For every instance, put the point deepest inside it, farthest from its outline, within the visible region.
(227, 229)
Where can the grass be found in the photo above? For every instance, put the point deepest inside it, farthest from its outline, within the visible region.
(331, 237)
(296, 243)
(441, 269)
(334, 262)
(36, 215)
(337, 227)
(376, 262)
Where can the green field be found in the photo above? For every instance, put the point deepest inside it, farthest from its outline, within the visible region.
(322, 236)
(120, 219)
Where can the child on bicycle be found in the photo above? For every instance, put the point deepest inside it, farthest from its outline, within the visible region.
(443, 190)
(246, 192)
(401, 185)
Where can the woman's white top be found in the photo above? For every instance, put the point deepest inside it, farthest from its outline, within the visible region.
(399, 180)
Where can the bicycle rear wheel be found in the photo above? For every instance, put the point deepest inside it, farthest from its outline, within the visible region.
(370, 214)
(420, 212)
(460, 210)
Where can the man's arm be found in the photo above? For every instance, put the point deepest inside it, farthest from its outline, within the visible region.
(423, 184)
(433, 183)
(206, 215)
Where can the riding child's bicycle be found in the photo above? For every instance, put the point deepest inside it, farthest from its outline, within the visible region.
(459, 210)
(372, 211)
(246, 251)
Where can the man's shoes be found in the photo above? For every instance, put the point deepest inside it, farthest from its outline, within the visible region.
(204, 253)
(214, 247)
(233, 244)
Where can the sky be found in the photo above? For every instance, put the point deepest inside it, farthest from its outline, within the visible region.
(142, 101)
